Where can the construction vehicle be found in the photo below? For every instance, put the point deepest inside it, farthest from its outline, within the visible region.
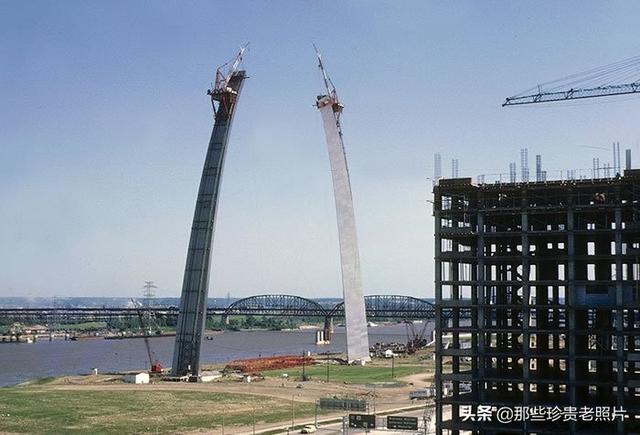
(422, 393)
(415, 340)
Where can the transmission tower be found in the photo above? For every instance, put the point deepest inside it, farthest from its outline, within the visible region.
(148, 293)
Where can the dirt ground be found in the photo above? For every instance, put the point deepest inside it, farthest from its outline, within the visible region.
(381, 396)
(280, 388)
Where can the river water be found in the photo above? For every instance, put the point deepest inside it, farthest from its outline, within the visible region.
(20, 362)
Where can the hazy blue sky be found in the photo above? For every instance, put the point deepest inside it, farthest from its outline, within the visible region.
(104, 123)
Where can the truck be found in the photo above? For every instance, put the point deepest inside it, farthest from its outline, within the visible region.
(422, 394)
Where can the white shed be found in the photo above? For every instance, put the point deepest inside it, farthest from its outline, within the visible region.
(137, 378)
(210, 376)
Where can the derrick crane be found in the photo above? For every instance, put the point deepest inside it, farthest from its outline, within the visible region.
(224, 73)
(619, 78)
(330, 88)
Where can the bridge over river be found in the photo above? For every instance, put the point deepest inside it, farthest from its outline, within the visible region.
(278, 305)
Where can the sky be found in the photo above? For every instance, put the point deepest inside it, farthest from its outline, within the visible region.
(104, 124)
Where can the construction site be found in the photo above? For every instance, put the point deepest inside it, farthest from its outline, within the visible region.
(525, 320)
(543, 276)
(536, 282)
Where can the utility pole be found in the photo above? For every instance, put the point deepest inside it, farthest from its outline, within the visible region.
(316, 415)
(304, 375)
(293, 413)
(374, 399)
(393, 365)
(327, 370)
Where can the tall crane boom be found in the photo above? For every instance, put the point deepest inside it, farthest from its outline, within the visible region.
(328, 84)
(145, 326)
(619, 78)
(224, 74)
(574, 94)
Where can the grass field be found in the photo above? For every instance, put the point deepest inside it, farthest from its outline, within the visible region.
(85, 326)
(44, 410)
(351, 374)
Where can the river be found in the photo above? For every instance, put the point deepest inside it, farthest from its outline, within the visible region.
(20, 362)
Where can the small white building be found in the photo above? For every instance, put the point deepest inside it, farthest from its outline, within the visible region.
(137, 378)
(389, 353)
(210, 376)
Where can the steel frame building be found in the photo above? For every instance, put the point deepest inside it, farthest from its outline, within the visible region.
(539, 282)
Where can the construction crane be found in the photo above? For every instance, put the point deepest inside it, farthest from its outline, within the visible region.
(154, 364)
(328, 84)
(415, 340)
(224, 73)
(619, 78)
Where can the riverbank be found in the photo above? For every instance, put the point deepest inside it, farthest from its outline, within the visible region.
(25, 333)
(23, 362)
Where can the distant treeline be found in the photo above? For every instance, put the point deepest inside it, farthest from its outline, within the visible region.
(133, 324)
(235, 323)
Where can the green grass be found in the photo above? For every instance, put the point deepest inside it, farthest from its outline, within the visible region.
(86, 326)
(351, 374)
(49, 411)
(42, 381)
